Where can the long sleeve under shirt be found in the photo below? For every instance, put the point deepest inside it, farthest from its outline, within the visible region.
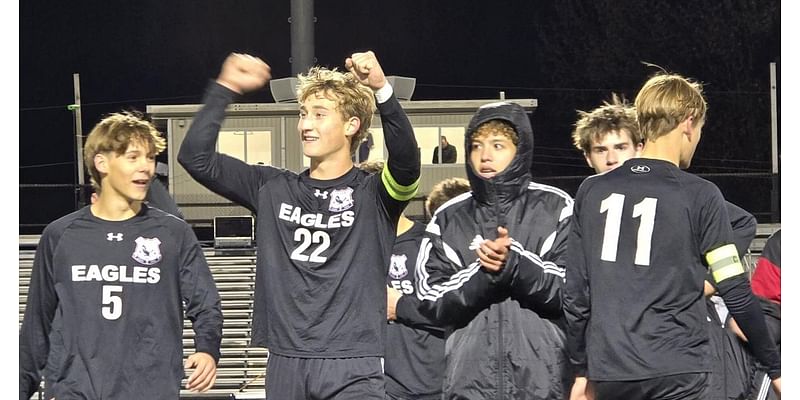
(323, 245)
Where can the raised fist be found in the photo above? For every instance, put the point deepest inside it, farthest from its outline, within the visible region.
(366, 68)
(243, 73)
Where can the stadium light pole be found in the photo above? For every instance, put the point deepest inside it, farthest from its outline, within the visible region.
(302, 35)
(773, 92)
(78, 131)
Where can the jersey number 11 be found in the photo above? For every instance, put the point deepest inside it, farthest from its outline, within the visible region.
(645, 209)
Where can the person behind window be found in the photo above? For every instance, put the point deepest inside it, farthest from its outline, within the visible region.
(448, 153)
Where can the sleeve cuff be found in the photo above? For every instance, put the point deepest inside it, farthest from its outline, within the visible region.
(404, 308)
(214, 351)
(383, 94)
(216, 89)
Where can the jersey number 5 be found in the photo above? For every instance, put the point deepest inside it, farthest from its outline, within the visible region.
(306, 238)
(112, 303)
(645, 209)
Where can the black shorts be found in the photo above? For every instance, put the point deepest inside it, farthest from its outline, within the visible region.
(671, 387)
(290, 378)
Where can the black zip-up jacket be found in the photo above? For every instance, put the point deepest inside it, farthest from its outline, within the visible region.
(505, 337)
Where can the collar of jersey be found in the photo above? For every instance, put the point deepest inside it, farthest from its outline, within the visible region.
(343, 180)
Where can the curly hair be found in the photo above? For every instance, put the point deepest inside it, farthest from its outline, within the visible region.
(497, 127)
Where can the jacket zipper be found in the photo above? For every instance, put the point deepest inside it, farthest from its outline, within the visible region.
(500, 357)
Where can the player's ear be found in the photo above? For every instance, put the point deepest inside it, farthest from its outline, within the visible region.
(638, 149)
(687, 127)
(101, 163)
(352, 125)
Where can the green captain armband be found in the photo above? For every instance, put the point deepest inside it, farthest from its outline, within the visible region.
(724, 262)
(396, 190)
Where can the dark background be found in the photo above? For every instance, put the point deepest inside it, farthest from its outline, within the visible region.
(567, 54)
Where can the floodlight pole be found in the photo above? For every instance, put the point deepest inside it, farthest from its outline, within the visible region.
(78, 131)
(773, 92)
(302, 35)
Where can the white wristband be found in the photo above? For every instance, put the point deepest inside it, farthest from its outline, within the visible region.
(384, 93)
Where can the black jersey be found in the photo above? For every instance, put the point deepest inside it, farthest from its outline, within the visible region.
(120, 289)
(639, 235)
(323, 245)
(414, 362)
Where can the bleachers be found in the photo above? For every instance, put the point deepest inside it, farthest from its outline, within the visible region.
(763, 232)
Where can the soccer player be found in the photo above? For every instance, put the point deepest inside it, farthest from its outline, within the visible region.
(119, 276)
(491, 268)
(414, 361)
(443, 191)
(325, 235)
(636, 316)
(608, 136)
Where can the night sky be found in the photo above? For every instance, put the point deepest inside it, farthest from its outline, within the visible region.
(567, 54)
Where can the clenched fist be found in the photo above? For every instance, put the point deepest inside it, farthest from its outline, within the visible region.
(243, 73)
(366, 68)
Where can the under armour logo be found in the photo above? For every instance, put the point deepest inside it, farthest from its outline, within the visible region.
(114, 236)
(324, 194)
(476, 242)
(640, 169)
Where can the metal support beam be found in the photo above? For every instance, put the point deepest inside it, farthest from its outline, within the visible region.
(775, 202)
(75, 107)
(302, 35)
(773, 94)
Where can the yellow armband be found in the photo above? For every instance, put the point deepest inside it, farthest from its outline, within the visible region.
(396, 190)
(724, 262)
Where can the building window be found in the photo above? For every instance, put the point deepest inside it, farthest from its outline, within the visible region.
(252, 147)
(428, 138)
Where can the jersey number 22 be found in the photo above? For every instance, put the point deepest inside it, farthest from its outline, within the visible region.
(306, 238)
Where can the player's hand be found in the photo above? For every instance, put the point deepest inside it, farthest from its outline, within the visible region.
(366, 69)
(708, 289)
(392, 296)
(205, 372)
(581, 390)
(243, 73)
(494, 253)
(776, 384)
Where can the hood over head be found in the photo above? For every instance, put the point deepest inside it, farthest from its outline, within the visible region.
(512, 181)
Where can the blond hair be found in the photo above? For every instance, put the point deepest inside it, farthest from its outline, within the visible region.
(665, 101)
(115, 133)
(352, 98)
(616, 116)
(496, 127)
(371, 166)
(444, 191)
